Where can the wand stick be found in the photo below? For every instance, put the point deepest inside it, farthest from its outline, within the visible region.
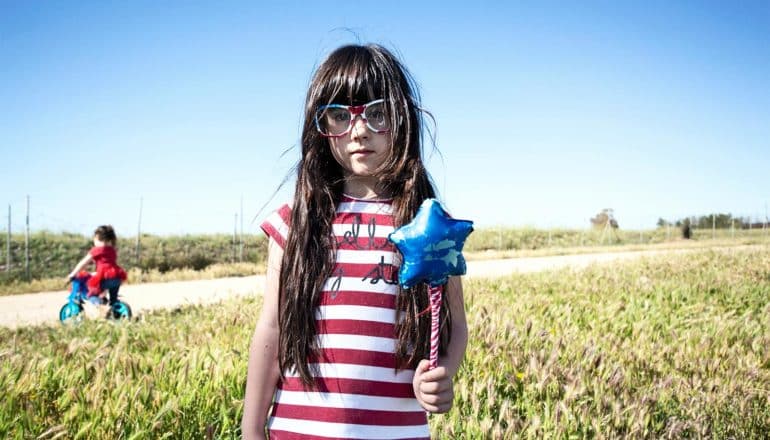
(435, 309)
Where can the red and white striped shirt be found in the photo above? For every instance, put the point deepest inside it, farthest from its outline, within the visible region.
(359, 393)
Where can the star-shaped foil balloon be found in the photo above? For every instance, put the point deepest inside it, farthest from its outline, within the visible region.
(431, 245)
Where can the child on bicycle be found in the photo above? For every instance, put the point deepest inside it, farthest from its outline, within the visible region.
(109, 275)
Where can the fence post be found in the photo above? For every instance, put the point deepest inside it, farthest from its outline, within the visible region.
(8, 243)
(139, 234)
(26, 243)
(240, 249)
(235, 232)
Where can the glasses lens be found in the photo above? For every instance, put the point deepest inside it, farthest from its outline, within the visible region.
(377, 117)
(332, 120)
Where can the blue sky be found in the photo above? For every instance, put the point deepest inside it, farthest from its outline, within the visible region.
(546, 112)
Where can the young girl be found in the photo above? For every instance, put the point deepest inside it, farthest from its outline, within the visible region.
(108, 275)
(340, 349)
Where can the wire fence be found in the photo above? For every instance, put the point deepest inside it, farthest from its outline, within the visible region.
(25, 255)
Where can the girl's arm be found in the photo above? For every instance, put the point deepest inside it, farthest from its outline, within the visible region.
(456, 350)
(262, 374)
(433, 388)
(87, 259)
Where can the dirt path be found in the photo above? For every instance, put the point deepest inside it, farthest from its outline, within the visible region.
(43, 308)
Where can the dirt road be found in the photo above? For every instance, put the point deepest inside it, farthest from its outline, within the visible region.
(43, 308)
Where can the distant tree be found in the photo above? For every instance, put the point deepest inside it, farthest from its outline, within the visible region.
(605, 216)
(720, 221)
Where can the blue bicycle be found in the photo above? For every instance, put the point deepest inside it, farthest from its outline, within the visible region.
(73, 310)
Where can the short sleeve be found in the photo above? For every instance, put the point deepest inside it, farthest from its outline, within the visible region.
(96, 252)
(276, 225)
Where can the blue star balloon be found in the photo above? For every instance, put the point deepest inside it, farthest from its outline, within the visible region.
(431, 245)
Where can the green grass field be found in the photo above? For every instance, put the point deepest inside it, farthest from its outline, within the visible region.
(670, 347)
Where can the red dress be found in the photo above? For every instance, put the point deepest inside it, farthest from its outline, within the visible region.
(106, 258)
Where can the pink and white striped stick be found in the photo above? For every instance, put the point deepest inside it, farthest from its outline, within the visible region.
(435, 308)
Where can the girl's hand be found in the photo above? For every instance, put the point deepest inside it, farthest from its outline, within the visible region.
(433, 388)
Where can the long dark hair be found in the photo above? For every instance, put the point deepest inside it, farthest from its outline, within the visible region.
(352, 75)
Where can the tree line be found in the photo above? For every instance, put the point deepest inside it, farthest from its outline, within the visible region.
(719, 221)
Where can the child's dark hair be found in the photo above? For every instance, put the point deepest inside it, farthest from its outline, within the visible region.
(106, 234)
(352, 75)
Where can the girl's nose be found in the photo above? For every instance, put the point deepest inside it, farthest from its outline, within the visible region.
(359, 129)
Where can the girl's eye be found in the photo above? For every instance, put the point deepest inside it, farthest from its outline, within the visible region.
(341, 116)
(338, 115)
(378, 118)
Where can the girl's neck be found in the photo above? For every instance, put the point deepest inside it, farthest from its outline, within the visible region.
(364, 187)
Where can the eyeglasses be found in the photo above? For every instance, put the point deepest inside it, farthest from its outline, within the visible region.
(335, 120)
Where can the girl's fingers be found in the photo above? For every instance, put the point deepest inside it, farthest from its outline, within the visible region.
(422, 367)
(437, 405)
(435, 387)
(438, 399)
(435, 374)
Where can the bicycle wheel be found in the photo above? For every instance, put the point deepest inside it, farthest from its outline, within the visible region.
(120, 310)
(71, 312)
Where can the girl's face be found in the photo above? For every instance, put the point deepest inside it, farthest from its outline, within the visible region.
(361, 151)
(98, 242)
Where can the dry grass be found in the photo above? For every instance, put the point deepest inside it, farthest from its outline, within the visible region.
(668, 347)
(660, 348)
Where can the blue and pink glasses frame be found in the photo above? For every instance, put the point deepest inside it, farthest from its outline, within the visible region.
(354, 110)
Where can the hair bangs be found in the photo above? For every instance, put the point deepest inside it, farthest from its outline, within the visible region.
(356, 77)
